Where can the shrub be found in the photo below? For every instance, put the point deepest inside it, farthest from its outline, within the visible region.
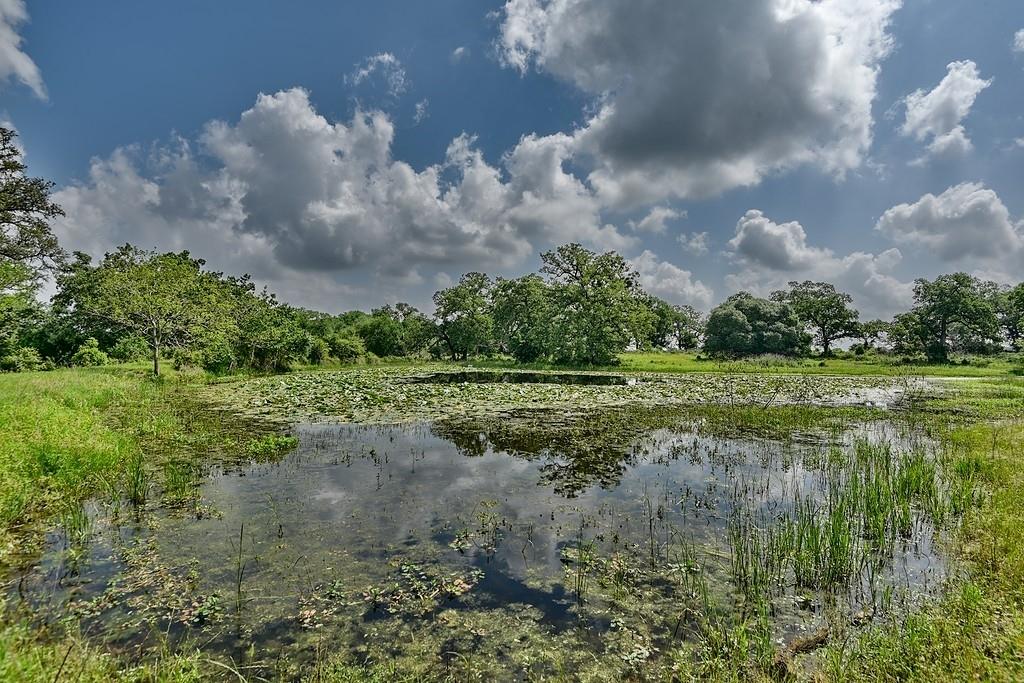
(130, 349)
(346, 348)
(89, 354)
(24, 359)
(319, 350)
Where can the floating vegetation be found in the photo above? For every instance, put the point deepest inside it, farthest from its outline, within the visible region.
(271, 445)
(389, 395)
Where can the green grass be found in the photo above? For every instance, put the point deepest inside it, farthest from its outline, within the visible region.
(682, 362)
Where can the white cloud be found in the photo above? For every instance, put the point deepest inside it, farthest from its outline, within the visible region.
(773, 254)
(695, 243)
(938, 114)
(286, 194)
(459, 53)
(655, 219)
(694, 98)
(1018, 41)
(388, 67)
(967, 221)
(762, 242)
(670, 282)
(14, 62)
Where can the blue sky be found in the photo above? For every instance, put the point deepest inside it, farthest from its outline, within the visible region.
(396, 145)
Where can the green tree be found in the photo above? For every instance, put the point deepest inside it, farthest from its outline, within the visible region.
(523, 311)
(823, 309)
(673, 325)
(25, 211)
(463, 315)
(951, 307)
(870, 332)
(748, 325)
(599, 307)
(1009, 305)
(27, 246)
(166, 299)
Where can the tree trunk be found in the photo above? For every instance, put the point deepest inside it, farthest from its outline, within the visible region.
(156, 357)
(826, 350)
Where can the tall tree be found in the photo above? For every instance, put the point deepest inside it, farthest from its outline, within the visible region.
(823, 309)
(870, 331)
(463, 314)
(25, 211)
(598, 303)
(954, 306)
(523, 313)
(27, 246)
(166, 299)
(1009, 305)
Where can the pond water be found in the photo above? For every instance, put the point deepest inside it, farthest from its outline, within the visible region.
(452, 535)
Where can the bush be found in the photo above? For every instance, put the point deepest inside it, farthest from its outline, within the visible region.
(89, 354)
(24, 359)
(319, 350)
(346, 348)
(130, 349)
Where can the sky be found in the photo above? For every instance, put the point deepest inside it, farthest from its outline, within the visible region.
(352, 154)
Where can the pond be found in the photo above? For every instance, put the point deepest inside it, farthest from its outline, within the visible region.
(490, 377)
(520, 545)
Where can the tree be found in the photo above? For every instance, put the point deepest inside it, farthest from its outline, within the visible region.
(747, 325)
(27, 246)
(463, 315)
(166, 299)
(951, 307)
(1009, 305)
(598, 305)
(25, 212)
(523, 311)
(673, 325)
(822, 308)
(870, 331)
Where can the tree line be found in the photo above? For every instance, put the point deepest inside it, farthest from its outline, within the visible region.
(581, 308)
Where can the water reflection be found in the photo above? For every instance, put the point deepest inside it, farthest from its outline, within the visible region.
(368, 523)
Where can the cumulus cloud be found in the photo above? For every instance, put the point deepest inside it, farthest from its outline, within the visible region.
(670, 282)
(936, 115)
(655, 220)
(762, 242)
(285, 193)
(967, 221)
(14, 62)
(1018, 41)
(774, 253)
(384, 65)
(459, 53)
(693, 98)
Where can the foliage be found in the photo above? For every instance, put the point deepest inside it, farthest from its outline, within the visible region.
(952, 310)
(346, 347)
(129, 349)
(89, 355)
(463, 313)
(747, 325)
(677, 327)
(522, 310)
(167, 299)
(25, 212)
(397, 330)
(822, 308)
(23, 359)
(597, 304)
